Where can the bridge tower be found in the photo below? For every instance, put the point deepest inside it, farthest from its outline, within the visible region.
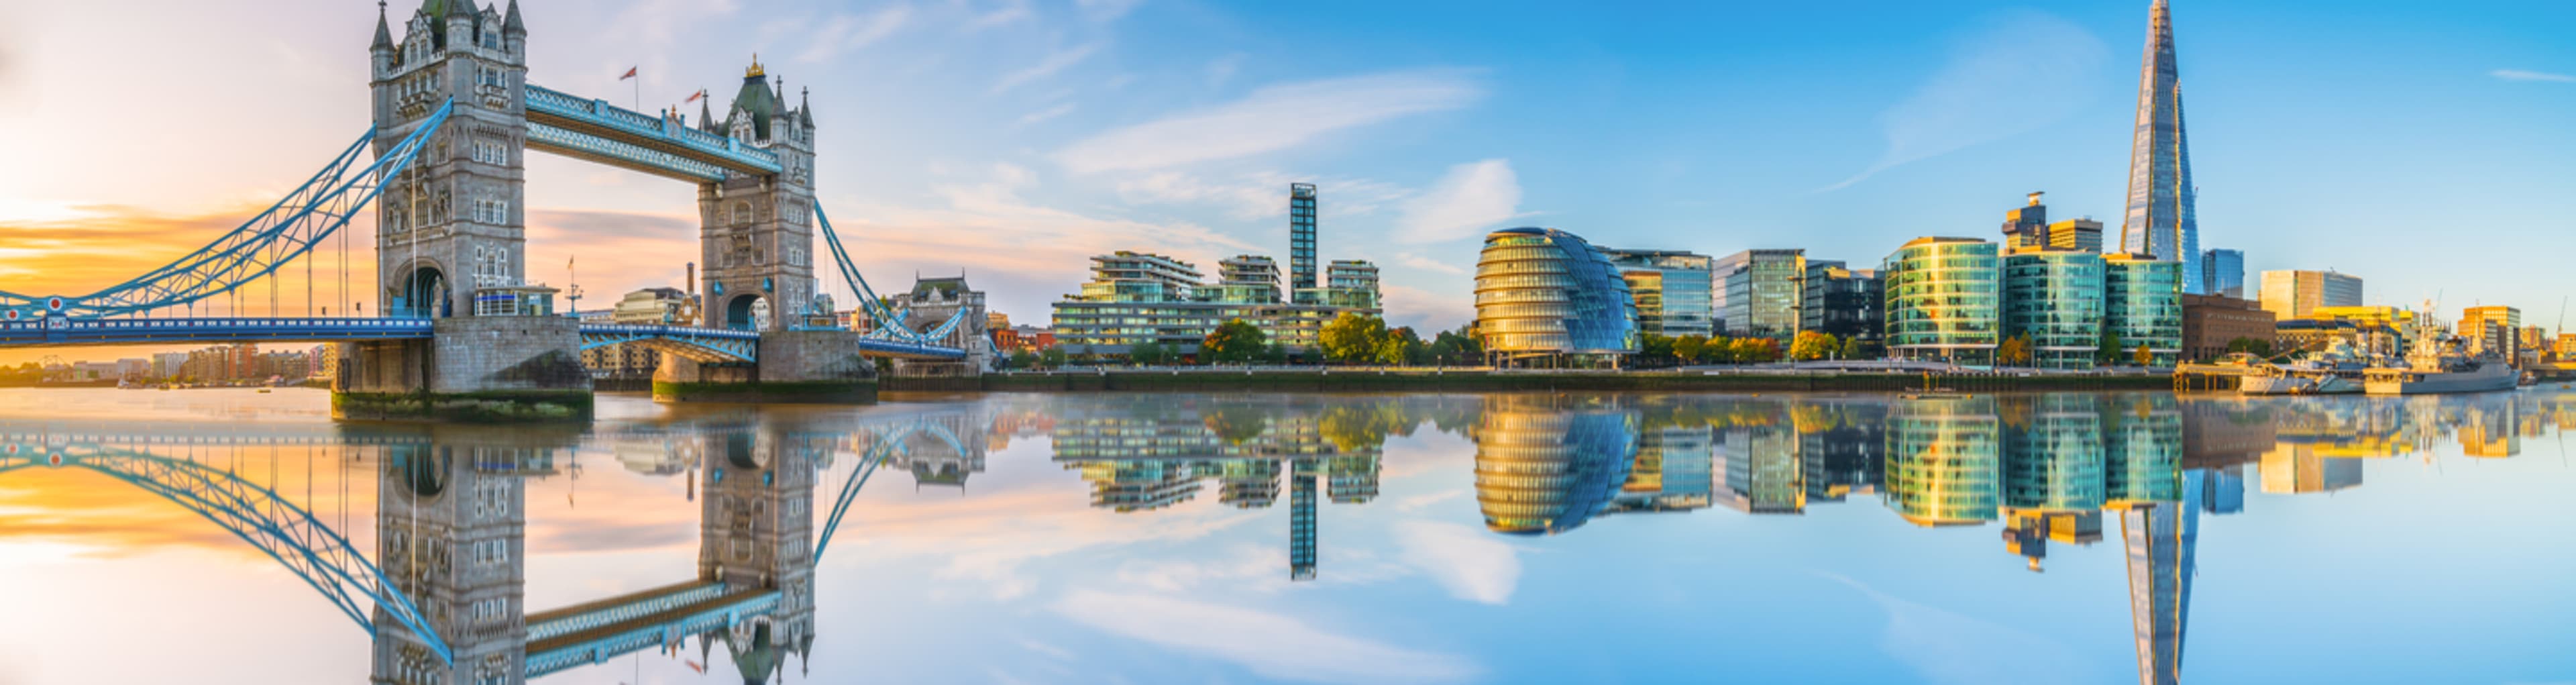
(454, 222)
(451, 523)
(757, 232)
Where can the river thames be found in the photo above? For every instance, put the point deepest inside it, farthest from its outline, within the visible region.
(229, 536)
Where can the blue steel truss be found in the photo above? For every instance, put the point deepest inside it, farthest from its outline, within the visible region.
(890, 324)
(698, 344)
(259, 516)
(65, 331)
(884, 443)
(286, 231)
(593, 129)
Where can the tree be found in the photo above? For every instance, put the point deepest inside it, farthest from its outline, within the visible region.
(1351, 337)
(2109, 352)
(1718, 350)
(1688, 348)
(2145, 357)
(1021, 359)
(1275, 355)
(2014, 351)
(1051, 357)
(1856, 348)
(1396, 347)
(1148, 353)
(1233, 342)
(2254, 346)
(1755, 350)
(1813, 345)
(1654, 349)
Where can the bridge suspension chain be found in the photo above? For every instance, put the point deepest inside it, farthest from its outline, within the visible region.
(256, 249)
(889, 323)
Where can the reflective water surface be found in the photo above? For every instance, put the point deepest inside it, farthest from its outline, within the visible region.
(227, 536)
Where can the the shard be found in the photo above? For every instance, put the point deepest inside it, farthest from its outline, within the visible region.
(2160, 219)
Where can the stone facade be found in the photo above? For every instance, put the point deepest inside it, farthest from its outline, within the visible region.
(757, 233)
(455, 220)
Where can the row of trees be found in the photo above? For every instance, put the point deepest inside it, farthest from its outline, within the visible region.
(1350, 338)
(1654, 350)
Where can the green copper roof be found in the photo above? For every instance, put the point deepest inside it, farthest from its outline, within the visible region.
(759, 101)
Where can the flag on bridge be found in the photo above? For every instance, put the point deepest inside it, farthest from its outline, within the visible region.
(693, 97)
(630, 73)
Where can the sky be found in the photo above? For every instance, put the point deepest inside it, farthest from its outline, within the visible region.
(2421, 146)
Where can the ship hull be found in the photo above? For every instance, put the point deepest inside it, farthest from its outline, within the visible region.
(2487, 378)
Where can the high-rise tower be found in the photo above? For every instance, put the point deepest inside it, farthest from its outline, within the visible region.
(2160, 219)
(1301, 237)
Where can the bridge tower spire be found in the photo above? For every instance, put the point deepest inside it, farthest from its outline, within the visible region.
(757, 231)
(453, 223)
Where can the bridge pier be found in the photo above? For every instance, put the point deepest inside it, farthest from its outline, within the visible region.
(815, 367)
(499, 368)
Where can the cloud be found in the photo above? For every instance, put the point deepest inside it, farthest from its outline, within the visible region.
(2521, 75)
(1271, 118)
(1010, 11)
(1470, 197)
(1426, 310)
(1106, 10)
(1224, 68)
(1985, 91)
(1045, 114)
(843, 32)
(1271, 645)
(1949, 647)
(1057, 61)
(1421, 262)
(1469, 564)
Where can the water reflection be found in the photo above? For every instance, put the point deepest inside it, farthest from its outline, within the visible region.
(769, 489)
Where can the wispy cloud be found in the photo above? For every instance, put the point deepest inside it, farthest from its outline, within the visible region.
(1471, 196)
(1421, 262)
(2522, 75)
(1470, 564)
(1010, 11)
(1271, 645)
(1272, 118)
(1223, 69)
(1106, 10)
(1045, 114)
(1057, 61)
(845, 32)
(1982, 93)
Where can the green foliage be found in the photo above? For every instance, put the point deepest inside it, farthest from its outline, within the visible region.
(1688, 348)
(2253, 346)
(2144, 356)
(1275, 354)
(1148, 353)
(1051, 357)
(1856, 348)
(1814, 345)
(1352, 337)
(1755, 350)
(1458, 347)
(1021, 359)
(1234, 342)
(2109, 352)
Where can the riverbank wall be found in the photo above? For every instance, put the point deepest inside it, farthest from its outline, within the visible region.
(1368, 380)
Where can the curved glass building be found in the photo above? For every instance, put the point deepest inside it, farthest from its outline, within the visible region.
(2143, 297)
(1545, 295)
(1547, 465)
(1943, 298)
(2055, 298)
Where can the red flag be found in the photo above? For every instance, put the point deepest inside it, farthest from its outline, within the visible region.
(630, 73)
(693, 97)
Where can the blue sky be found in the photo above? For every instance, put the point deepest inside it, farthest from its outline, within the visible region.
(2423, 147)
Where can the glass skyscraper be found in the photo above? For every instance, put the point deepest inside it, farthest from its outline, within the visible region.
(1301, 236)
(2142, 307)
(2222, 272)
(2160, 219)
(2054, 299)
(1761, 292)
(1673, 290)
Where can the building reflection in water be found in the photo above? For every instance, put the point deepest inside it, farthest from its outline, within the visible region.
(452, 527)
(1144, 453)
(1549, 463)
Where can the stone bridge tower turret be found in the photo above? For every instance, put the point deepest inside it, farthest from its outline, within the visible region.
(758, 231)
(454, 222)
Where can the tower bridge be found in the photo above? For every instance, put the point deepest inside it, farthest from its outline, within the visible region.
(453, 116)
(442, 595)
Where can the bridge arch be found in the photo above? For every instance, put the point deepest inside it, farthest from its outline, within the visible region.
(426, 292)
(749, 312)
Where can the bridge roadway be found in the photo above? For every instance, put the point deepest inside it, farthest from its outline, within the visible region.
(715, 344)
(595, 632)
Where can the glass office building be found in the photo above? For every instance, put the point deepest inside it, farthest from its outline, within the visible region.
(1943, 300)
(1761, 289)
(2054, 299)
(1841, 301)
(1544, 296)
(1672, 289)
(2224, 272)
(2143, 306)
(1135, 298)
(1301, 236)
